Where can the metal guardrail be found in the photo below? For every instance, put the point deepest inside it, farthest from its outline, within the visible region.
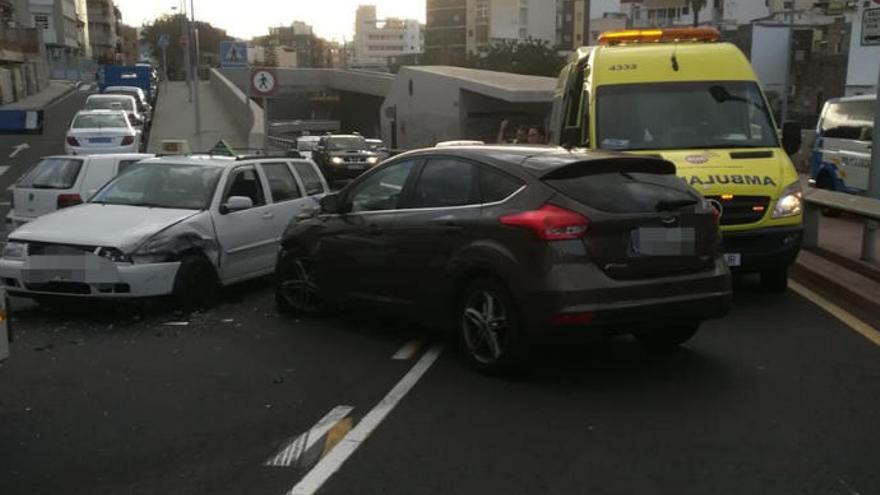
(867, 208)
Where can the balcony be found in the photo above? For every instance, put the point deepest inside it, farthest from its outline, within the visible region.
(15, 43)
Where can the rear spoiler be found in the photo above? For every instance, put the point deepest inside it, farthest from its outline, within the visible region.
(610, 165)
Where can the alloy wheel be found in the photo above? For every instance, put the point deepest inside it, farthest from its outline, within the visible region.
(299, 289)
(485, 325)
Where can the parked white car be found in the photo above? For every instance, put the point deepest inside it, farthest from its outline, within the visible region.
(307, 144)
(179, 226)
(57, 182)
(101, 131)
(138, 94)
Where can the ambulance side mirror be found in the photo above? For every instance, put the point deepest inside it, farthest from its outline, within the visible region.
(791, 137)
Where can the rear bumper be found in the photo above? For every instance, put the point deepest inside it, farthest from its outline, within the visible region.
(630, 303)
(764, 249)
(124, 282)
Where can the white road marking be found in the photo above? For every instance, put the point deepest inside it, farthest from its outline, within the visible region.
(866, 331)
(18, 149)
(3, 169)
(5, 203)
(306, 445)
(331, 463)
(408, 351)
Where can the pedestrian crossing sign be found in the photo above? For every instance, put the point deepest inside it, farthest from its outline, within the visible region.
(233, 54)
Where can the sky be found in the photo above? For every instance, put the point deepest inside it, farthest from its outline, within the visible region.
(331, 19)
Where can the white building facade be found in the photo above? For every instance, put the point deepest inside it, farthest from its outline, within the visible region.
(377, 39)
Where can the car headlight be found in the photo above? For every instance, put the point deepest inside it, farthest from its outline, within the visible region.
(113, 254)
(373, 160)
(790, 202)
(337, 160)
(14, 250)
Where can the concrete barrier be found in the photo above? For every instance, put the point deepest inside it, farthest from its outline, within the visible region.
(247, 114)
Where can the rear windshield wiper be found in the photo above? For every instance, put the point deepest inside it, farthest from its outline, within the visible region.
(674, 204)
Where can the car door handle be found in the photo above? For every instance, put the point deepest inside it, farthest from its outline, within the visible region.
(267, 216)
(449, 226)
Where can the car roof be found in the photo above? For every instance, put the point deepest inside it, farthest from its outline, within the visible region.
(537, 160)
(123, 88)
(200, 160)
(330, 136)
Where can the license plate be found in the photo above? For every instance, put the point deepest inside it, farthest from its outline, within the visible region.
(661, 241)
(733, 259)
(100, 140)
(356, 167)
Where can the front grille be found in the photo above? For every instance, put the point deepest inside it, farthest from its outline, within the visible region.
(49, 249)
(61, 287)
(741, 210)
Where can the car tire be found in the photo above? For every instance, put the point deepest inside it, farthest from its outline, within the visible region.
(667, 337)
(490, 328)
(775, 281)
(824, 182)
(296, 291)
(196, 285)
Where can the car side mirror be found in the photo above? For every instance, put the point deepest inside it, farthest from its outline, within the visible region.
(331, 204)
(571, 137)
(236, 203)
(791, 137)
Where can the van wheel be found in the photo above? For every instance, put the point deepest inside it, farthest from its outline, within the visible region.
(196, 285)
(825, 182)
(490, 328)
(667, 337)
(775, 281)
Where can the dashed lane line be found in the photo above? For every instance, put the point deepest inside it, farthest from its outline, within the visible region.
(408, 351)
(309, 446)
(331, 463)
(864, 329)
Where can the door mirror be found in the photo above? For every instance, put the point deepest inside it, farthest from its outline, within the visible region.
(331, 204)
(236, 203)
(571, 137)
(791, 137)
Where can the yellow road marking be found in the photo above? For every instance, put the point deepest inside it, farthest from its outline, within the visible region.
(836, 311)
(336, 434)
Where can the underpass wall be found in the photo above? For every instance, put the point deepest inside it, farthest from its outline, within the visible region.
(248, 115)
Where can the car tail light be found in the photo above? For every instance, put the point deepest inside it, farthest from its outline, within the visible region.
(572, 319)
(550, 223)
(65, 200)
(127, 140)
(72, 141)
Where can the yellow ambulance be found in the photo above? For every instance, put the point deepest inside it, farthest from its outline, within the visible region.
(684, 96)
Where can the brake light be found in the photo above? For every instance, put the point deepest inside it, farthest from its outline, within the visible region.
(72, 141)
(65, 200)
(550, 223)
(659, 35)
(127, 140)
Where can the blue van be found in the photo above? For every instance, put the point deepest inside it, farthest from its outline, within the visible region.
(841, 158)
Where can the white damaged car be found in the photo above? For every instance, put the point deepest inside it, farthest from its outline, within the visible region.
(170, 226)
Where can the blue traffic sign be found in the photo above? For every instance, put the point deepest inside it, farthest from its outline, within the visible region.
(233, 54)
(164, 40)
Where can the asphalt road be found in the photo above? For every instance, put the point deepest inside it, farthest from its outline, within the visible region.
(780, 397)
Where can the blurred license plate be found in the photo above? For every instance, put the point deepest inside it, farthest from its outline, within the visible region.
(357, 166)
(100, 140)
(660, 241)
(733, 259)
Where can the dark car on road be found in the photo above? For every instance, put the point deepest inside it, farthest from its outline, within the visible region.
(503, 244)
(344, 156)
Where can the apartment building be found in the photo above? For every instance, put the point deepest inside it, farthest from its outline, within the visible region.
(103, 21)
(378, 39)
(497, 21)
(446, 32)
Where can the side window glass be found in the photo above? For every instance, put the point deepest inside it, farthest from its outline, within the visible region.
(310, 178)
(497, 186)
(282, 183)
(125, 165)
(445, 183)
(382, 190)
(246, 182)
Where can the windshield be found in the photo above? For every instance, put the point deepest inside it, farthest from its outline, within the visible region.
(120, 103)
(52, 173)
(100, 121)
(849, 120)
(346, 143)
(691, 115)
(162, 185)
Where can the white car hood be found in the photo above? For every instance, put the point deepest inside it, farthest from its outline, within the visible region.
(123, 227)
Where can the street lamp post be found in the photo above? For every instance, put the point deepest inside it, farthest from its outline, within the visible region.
(786, 90)
(195, 37)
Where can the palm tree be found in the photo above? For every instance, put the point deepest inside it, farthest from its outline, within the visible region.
(696, 5)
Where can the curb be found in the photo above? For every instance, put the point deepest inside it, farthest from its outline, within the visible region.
(73, 89)
(856, 291)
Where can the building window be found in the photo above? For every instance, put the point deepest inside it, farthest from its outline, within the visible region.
(523, 33)
(482, 10)
(685, 10)
(41, 21)
(523, 16)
